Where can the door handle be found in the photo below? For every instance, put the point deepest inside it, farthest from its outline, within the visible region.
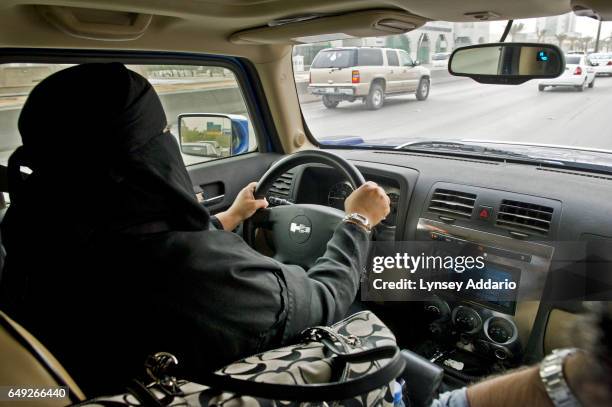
(213, 200)
(212, 193)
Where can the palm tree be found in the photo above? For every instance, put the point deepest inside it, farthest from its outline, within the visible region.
(561, 38)
(573, 41)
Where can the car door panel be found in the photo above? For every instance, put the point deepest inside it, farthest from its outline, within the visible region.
(405, 79)
(219, 181)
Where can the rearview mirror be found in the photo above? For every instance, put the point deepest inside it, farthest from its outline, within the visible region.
(213, 135)
(507, 63)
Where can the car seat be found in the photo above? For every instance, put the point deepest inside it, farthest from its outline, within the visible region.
(26, 363)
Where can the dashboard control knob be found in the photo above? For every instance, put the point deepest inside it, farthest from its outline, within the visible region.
(501, 354)
(466, 319)
(501, 330)
(436, 309)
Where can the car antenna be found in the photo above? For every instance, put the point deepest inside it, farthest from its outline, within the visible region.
(506, 31)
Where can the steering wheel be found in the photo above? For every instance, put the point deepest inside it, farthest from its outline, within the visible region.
(299, 232)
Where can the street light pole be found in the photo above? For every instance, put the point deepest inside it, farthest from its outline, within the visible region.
(598, 34)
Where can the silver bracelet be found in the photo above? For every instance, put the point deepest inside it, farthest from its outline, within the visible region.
(358, 219)
(551, 373)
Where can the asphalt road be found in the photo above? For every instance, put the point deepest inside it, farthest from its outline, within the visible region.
(464, 109)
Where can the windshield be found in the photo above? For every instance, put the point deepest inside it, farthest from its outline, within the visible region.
(405, 95)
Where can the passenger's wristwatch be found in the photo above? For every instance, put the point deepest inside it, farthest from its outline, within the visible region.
(551, 373)
(359, 220)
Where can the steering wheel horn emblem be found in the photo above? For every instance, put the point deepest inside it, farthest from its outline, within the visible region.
(300, 228)
(299, 233)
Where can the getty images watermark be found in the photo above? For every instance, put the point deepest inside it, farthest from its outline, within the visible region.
(457, 264)
(555, 271)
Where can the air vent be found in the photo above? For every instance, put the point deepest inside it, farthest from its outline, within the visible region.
(452, 202)
(282, 186)
(526, 217)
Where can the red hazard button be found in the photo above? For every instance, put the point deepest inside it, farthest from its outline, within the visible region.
(485, 212)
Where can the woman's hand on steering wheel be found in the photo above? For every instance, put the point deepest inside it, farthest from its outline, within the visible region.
(369, 200)
(244, 206)
(299, 233)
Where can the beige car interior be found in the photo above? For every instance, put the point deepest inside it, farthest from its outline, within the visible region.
(27, 363)
(244, 28)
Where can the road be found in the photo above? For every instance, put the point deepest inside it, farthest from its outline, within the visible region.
(464, 109)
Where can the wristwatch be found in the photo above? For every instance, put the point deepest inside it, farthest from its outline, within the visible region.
(358, 219)
(551, 373)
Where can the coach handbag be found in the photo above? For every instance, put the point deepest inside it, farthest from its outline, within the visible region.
(353, 362)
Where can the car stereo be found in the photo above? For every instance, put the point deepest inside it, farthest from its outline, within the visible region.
(524, 263)
(488, 296)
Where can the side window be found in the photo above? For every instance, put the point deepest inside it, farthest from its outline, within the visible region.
(205, 109)
(405, 59)
(221, 126)
(370, 57)
(392, 58)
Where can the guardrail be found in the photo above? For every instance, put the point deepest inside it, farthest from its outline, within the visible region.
(224, 99)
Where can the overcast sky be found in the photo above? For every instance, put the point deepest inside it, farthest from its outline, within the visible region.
(586, 26)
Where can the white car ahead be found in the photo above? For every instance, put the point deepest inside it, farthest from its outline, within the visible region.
(604, 63)
(579, 73)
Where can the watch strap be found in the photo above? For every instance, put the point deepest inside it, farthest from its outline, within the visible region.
(551, 374)
(359, 220)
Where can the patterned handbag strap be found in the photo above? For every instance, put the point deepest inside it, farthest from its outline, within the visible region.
(320, 392)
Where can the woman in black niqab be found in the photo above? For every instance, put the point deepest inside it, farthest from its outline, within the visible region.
(106, 128)
(110, 257)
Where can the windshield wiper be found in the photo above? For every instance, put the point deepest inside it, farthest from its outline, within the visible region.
(436, 145)
(472, 149)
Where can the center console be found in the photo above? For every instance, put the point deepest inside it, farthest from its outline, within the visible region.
(476, 334)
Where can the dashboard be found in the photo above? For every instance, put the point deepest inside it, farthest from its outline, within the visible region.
(519, 214)
(323, 186)
(338, 193)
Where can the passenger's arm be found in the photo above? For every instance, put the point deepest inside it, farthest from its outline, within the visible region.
(525, 388)
(519, 388)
